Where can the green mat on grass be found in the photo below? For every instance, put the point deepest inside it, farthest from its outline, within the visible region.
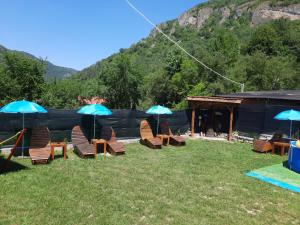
(280, 173)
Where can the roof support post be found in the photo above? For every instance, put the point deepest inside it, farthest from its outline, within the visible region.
(193, 123)
(230, 123)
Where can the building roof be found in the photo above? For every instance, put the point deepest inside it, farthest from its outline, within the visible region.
(208, 101)
(282, 95)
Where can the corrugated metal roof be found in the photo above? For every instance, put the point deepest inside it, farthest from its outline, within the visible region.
(282, 95)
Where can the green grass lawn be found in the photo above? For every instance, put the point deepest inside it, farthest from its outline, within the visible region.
(202, 183)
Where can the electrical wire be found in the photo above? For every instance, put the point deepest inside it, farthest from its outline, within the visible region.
(181, 48)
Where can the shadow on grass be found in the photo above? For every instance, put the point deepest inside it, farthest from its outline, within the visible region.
(285, 164)
(11, 166)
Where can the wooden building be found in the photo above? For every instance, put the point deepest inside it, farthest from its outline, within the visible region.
(249, 112)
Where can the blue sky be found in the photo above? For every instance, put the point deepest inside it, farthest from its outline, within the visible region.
(77, 33)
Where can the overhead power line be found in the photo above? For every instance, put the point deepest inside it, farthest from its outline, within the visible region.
(181, 48)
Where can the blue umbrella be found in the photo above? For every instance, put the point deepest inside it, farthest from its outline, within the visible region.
(158, 110)
(95, 110)
(22, 107)
(291, 115)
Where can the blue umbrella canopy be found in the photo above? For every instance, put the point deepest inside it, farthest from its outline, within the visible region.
(158, 110)
(95, 110)
(292, 115)
(22, 107)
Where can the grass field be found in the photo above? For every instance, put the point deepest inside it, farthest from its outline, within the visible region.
(202, 183)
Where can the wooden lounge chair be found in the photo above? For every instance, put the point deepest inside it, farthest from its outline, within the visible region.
(262, 145)
(81, 144)
(39, 149)
(265, 146)
(114, 147)
(174, 139)
(147, 137)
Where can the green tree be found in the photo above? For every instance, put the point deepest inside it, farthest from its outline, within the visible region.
(264, 39)
(63, 94)
(24, 76)
(184, 80)
(122, 83)
(173, 62)
(262, 72)
(159, 89)
(225, 43)
(198, 90)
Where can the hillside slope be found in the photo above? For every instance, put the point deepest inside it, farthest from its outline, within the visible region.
(254, 42)
(52, 71)
(193, 27)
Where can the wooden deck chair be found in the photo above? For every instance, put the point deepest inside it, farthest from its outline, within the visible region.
(147, 137)
(262, 145)
(265, 146)
(81, 144)
(174, 139)
(39, 149)
(114, 147)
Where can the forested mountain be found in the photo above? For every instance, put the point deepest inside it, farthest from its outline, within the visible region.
(253, 42)
(52, 71)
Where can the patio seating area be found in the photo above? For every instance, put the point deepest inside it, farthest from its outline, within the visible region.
(181, 177)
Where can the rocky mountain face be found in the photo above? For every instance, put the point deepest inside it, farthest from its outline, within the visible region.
(265, 13)
(260, 13)
(52, 71)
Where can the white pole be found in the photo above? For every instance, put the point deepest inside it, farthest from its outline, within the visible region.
(94, 126)
(291, 125)
(157, 124)
(23, 136)
(290, 150)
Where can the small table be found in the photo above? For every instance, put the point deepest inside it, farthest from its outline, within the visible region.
(97, 142)
(281, 145)
(63, 145)
(164, 137)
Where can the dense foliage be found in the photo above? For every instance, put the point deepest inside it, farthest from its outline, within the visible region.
(21, 78)
(264, 57)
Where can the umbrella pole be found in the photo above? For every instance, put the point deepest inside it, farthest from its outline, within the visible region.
(23, 136)
(157, 124)
(94, 126)
(290, 149)
(291, 126)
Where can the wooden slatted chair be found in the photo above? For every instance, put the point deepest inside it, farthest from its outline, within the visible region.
(147, 137)
(39, 149)
(265, 146)
(262, 146)
(174, 139)
(81, 144)
(114, 147)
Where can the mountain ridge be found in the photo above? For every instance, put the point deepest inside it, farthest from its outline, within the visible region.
(52, 70)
